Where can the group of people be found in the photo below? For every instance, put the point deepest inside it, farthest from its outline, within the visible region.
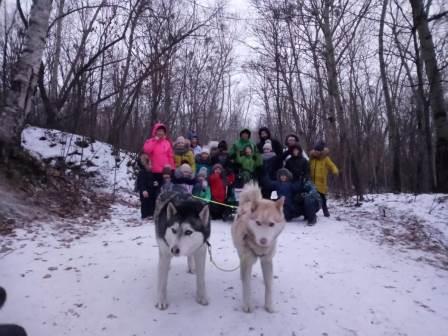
(213, 172)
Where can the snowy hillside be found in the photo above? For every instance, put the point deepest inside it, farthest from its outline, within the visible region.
(96, 158)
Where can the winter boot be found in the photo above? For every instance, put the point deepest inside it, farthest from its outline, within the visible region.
(312, 220)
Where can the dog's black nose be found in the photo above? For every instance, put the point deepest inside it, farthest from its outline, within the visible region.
(175, 250)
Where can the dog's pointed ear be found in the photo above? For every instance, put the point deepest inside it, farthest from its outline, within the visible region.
(204, 215)
(170, 210)
(280, 202)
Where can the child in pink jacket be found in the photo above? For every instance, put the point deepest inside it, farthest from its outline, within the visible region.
(159, 150)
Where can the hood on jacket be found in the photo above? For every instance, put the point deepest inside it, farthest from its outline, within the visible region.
(246, 130)
(284, 172)
(296, 146)
(216, 166)
(223, 145)
(319, 146)
(265, 129)
(158, 126)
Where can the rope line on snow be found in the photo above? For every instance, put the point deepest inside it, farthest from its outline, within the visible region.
(209, 247)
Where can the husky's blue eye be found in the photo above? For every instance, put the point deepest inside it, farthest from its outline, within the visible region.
(271, 224)
(174, 231)
(258, 223)
(188, 232)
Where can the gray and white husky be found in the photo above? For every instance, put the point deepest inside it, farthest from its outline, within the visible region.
(254, 232)
(182, 229)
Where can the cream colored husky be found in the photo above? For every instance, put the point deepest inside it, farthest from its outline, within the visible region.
(254, 232)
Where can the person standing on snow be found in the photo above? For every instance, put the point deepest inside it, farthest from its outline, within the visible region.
(159, 150)
(320, 164)
(265, 135)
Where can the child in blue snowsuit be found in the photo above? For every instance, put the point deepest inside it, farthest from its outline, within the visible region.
(301, 198)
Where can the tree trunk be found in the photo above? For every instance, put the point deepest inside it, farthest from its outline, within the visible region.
(394, 140)
(24, 81)
(435, 92)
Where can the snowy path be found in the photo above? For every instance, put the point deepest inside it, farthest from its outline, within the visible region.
(330, 280)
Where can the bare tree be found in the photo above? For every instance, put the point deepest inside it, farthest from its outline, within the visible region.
(24, 82)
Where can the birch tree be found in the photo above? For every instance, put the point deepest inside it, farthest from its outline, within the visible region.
(18, 101)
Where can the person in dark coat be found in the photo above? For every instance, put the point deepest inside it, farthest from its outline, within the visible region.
(264, 134)
(301, 197)
(148, 187)
(271, 164)
(284, 187)
(297, 164)
(222, 156)
(291, 141)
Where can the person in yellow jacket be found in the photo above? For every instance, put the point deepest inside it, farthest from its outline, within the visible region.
(320, 163)
(183, 153)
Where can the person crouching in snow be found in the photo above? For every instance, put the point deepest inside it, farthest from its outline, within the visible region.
(201, 188)
(219, 193)
(168, 184)
(249, 163)
(284, 187)
(301, 198)
(320, 164)
(184, 179)
(203, 160)
(147, 186)
(183, 153)
(307, 201)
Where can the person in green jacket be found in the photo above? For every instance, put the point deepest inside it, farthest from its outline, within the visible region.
(249, 162)
(201, 188)
(242, 143)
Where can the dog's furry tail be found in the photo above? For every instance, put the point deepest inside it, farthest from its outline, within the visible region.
(251, 193)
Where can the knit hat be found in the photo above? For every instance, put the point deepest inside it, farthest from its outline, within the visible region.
(166, 170)
(319, 146)
(284, 172)
(216, 166)
(202, 172)
(185, 169)
(267, 145)
(205, 149)
(179, 140)
(246, 130)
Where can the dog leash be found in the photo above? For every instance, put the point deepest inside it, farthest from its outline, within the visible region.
(209, 247)
(214, 202)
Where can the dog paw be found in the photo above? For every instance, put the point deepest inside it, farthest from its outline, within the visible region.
(162, 305)
(248, 308)
(191, 271)
(202, 300)
(269, 309)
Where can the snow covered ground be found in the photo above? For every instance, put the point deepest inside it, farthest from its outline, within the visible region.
(377, 269)
(331, 279)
